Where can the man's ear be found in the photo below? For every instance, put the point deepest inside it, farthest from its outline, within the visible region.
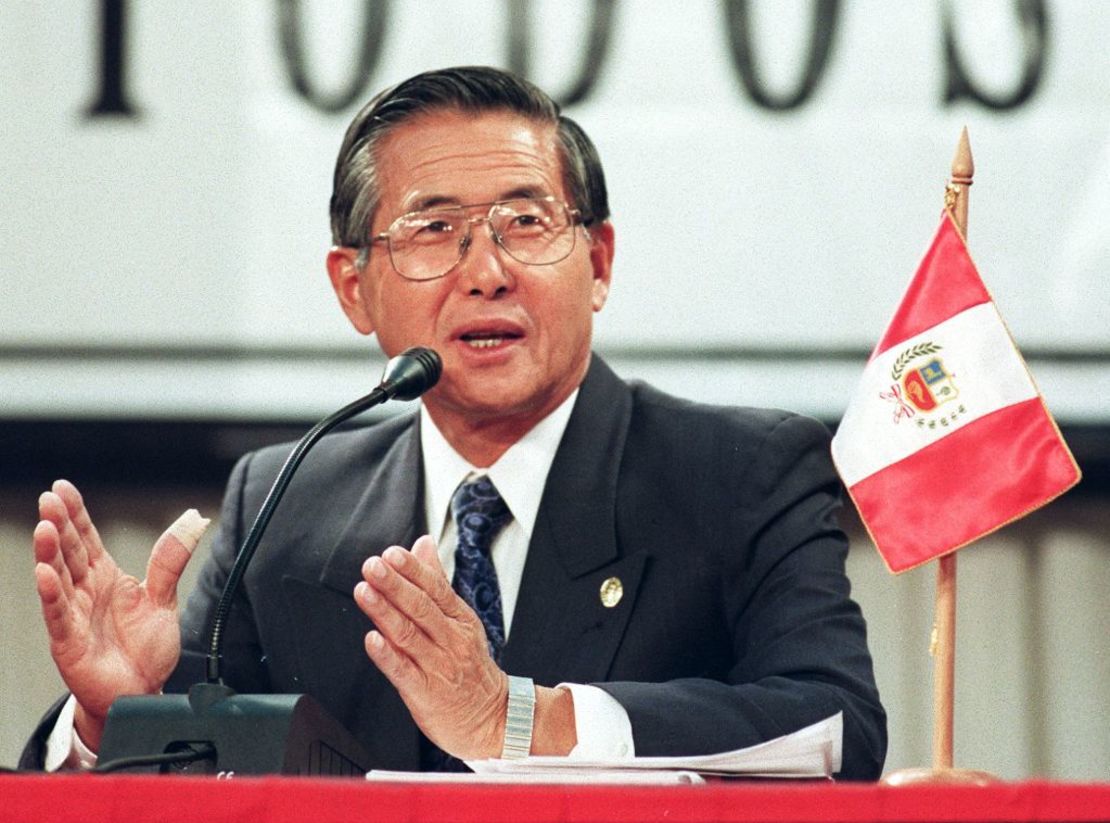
(602, 246)
(347, 281)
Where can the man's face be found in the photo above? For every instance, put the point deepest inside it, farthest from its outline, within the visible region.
(539, 318)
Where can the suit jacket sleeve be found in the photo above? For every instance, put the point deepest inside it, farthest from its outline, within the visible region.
(793, 648)
(33, 756)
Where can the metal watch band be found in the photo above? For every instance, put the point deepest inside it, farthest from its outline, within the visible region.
(519, 716)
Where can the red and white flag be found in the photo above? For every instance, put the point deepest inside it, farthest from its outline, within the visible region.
(947, 438)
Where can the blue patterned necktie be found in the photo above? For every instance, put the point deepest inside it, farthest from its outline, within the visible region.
(480, 513)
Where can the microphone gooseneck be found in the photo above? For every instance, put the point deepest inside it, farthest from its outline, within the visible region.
(406, 377)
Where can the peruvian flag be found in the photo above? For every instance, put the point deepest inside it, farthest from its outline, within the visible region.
(947, 438)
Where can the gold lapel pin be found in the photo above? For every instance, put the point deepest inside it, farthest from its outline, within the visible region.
(612, 590)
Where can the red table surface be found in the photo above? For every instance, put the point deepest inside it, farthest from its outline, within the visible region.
(91, 798)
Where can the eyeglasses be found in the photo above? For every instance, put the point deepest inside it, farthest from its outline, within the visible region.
(427, 244)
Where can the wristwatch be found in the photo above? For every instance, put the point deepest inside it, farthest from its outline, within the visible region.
(519, 717)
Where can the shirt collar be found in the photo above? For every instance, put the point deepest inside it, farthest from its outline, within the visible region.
(520, 474)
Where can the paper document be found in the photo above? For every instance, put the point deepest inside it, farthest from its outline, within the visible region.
(812, 752)
(564, 776)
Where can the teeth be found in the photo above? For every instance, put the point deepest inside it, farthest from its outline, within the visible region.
(485, 342)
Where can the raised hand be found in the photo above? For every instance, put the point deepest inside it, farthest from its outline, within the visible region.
(110, 634)
(433, 649)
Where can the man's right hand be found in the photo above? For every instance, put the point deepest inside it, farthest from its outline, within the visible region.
(110, 635)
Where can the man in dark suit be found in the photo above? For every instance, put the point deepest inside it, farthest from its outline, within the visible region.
(682, 559)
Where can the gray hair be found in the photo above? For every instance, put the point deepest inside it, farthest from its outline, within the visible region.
(472, 89)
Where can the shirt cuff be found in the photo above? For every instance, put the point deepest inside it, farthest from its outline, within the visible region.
(601, 723)
(64, 747)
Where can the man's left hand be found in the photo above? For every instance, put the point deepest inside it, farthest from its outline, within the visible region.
(432, 648)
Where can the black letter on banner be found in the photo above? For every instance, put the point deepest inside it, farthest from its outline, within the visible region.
(112, 94)
(825, 14)
(1033, 20)
(599, 29)
(292, 49)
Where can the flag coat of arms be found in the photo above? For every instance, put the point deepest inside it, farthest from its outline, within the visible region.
(947, 438)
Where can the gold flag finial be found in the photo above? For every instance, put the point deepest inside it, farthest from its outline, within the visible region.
(955, 193)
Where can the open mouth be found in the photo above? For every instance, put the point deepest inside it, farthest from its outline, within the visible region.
(488, 340)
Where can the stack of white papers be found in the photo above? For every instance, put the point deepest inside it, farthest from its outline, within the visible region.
(637, 777)
(812, 752)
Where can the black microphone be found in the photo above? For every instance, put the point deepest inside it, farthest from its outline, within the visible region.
(411, 373)
(212, 726)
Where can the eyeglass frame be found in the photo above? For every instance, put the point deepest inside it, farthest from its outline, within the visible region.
(576, 218)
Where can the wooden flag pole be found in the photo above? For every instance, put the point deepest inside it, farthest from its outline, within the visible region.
(943, 649)
(943, 643)
(944, 626)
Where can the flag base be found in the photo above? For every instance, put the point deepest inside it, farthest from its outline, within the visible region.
(919, 776)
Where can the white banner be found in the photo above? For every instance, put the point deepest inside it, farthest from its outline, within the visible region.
(167, 166)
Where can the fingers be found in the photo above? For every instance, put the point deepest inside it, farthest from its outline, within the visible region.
(55, 604)
(426, 552)
(170, 555)
(48, 552)
(422, 568)
(68, 545)
(405, 616)
(78, 540)
(398, 668)
(79, 515)
(407, 596)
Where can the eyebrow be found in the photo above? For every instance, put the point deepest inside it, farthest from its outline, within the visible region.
(443, 201)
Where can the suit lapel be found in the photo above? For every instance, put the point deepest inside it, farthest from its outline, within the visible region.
(562, 630)
(389, 512)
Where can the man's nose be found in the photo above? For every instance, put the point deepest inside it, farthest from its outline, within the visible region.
(482, 265)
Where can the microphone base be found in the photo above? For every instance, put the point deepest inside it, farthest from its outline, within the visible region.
(251, 734)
